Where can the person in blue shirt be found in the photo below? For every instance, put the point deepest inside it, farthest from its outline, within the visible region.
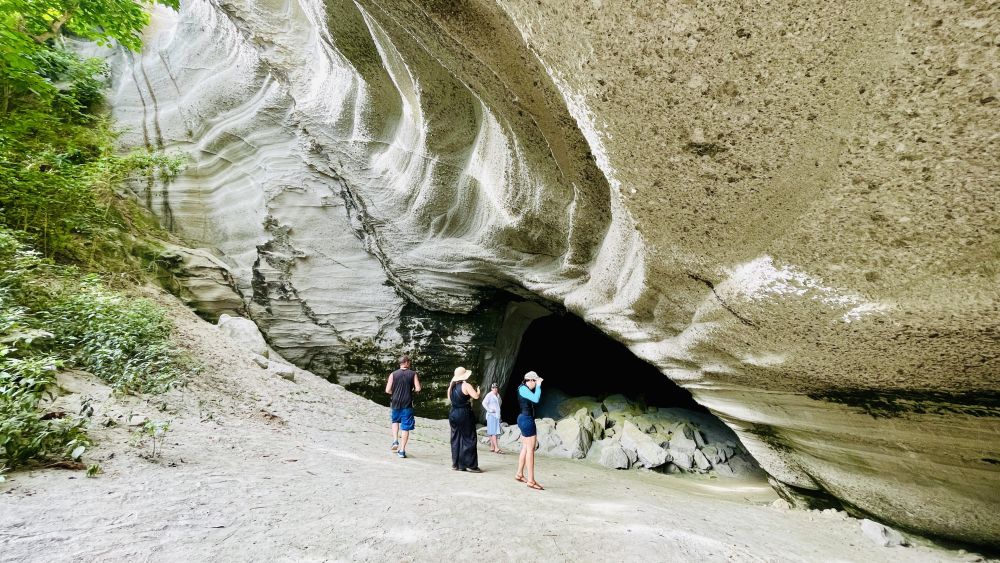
(528, 395)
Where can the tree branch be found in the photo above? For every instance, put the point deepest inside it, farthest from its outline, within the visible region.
(54, 29)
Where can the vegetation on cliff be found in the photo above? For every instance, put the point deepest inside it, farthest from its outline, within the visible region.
(62, 219)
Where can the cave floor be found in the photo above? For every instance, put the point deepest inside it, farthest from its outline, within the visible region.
(257, 468)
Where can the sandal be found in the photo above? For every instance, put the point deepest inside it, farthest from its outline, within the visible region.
(498, 452)
(520, 478)
(535, 485)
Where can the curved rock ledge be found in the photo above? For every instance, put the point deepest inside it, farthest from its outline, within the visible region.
(789, 209)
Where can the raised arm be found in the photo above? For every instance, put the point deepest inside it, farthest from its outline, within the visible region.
(532, 396)
(416, 383)
(388, 385)
(469, 390)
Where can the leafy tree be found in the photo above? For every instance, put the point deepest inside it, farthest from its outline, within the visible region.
(96, 20)
(58, 164)
(29, 28)
(59, 181)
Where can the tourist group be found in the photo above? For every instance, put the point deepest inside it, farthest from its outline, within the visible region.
(404, 382)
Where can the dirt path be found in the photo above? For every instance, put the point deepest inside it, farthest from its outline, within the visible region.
(257, 468)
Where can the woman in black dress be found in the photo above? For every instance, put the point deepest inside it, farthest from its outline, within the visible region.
(464, 456)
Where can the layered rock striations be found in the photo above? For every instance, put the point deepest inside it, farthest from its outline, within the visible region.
(791, 210)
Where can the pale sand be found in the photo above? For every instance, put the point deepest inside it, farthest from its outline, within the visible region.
(257, 468)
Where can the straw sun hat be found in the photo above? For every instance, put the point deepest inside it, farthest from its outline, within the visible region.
(461, 374)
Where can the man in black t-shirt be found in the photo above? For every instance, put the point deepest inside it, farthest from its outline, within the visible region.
(401, 385)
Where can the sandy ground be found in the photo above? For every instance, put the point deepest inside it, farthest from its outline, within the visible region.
(257, 468)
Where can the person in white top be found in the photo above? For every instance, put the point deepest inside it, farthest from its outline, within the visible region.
(491, 404)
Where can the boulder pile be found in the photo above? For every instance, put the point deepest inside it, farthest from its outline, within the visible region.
(620, 434)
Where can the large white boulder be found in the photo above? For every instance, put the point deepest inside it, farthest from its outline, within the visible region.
(644, 423)
(650, 453)
(701, 461)
(245, 332)
(682, 439)
(882, 535)
(575, 436)
(200, 278)
(549, 442)
(613, 456)
(510, 438)
(682, 458)
(600, 424)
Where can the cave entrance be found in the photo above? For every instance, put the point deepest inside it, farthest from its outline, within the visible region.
(576, 359)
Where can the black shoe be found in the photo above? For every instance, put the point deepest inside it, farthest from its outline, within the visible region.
(474, 470)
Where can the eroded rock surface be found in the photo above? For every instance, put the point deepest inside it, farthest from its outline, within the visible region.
(790, 209)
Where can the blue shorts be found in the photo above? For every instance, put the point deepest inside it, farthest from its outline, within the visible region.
(527, 425)
(403, 417)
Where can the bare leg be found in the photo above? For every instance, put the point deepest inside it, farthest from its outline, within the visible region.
(395, 431)
(529, 460)
(403, 440)
(493, 444)
(521, 457)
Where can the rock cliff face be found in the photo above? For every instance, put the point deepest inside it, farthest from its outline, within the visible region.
(789, 209)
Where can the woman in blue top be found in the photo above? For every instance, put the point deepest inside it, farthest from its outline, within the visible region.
(528, 394)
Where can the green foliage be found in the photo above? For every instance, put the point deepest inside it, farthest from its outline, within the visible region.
(19, 73)
(101, 21)
(60, 182)
(59, 170)
(26, 379)
(30, 64)
(122, 340)
(156, 432)
(41, 77)
(51, 317)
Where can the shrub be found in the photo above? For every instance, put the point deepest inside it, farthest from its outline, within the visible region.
(26, 379)
(52, 317)
(60, 178)
(124, 341)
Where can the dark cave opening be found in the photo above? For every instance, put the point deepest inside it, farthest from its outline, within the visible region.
(576, 359)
